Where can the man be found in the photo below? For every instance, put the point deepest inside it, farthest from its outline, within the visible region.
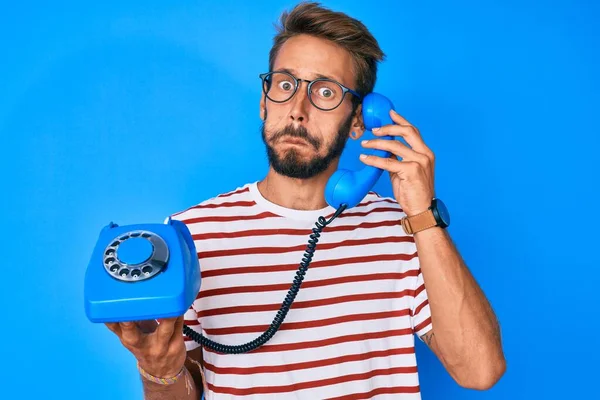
(350, 331)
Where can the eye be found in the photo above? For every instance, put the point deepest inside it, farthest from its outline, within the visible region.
(286, 85)
(325, 92)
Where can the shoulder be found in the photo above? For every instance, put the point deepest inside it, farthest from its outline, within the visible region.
(240, 196)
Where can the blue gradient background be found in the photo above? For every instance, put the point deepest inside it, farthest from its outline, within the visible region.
(128, 111)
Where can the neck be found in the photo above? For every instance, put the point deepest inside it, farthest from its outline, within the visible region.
(297, 194)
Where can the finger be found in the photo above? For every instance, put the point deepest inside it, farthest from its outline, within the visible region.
(130, 334)
(404, 169)
(165, 329)
(406, 130)
(390, 164)
(177, 337)
(114, 327)
(399, 131)
(179, 326)
(147, 326)
(396, 148)
(399, 119)
(406, 134)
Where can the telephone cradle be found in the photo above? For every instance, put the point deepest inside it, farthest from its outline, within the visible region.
(151, 271)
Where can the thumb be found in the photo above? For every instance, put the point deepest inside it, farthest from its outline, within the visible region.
(130, 334)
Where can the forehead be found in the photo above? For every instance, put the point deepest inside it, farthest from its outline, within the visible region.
(309, 57)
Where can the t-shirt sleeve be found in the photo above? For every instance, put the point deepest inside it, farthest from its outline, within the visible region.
(190, 318)
(421, 314)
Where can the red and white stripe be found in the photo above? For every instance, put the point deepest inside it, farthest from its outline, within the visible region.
(350, 331)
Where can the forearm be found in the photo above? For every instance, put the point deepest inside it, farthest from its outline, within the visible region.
(183, 389)
(466, 331)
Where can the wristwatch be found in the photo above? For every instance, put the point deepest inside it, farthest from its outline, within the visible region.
(436, 215)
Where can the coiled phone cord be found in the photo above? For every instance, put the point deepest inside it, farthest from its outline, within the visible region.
(285, 306)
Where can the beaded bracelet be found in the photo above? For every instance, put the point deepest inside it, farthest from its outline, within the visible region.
(161, 381)
(172, 380)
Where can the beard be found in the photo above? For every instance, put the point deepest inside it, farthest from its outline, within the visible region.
(291, 163)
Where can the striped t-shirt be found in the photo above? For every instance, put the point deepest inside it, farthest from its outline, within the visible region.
(350, 333)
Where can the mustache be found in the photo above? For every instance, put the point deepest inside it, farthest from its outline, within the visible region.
(300, 132)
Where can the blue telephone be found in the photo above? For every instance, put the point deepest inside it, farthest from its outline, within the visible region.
(347, 187)
(141, 272)
(151, 271)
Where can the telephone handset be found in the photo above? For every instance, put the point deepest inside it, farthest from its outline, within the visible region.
(161, 259)
(349, 187)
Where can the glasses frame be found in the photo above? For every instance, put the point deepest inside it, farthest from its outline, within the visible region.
(297, 82)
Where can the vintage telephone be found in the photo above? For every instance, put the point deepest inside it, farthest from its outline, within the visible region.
(151, 271)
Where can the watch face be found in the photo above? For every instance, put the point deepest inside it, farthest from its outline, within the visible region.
(442, 212)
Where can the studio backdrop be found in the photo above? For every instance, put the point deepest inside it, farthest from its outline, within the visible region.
(129, 111)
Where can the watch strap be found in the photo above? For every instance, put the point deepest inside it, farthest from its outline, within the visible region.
(419, 222)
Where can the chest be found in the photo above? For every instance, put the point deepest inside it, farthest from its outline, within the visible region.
(357, 279)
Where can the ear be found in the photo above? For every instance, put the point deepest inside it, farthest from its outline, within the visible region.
(358, 127)
(263, 109)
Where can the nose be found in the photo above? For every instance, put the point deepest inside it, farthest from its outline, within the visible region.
(300, 104)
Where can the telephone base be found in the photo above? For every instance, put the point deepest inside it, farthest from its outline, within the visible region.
(141, 272)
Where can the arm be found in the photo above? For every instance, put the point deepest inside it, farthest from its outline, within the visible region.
(160, 351)
(188, 387)
(465, 335)
(183, 389)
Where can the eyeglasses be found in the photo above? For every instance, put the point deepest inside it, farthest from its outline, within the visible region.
(323, 93)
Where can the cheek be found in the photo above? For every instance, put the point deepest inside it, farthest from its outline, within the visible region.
(331, 130)
(276, 119)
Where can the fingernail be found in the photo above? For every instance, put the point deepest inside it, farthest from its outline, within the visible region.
(363, 156)
(375, 129)
(364, 142)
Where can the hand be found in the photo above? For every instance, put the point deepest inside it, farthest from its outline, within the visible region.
(160, 350)
(412, 177)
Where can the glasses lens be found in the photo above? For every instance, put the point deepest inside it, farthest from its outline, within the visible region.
(279, 86)
(326, 94)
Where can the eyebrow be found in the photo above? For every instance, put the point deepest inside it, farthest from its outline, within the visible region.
(291, 71)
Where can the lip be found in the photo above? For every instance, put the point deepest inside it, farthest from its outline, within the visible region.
(296, 141)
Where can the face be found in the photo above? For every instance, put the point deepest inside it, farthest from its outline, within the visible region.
(302, 141)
